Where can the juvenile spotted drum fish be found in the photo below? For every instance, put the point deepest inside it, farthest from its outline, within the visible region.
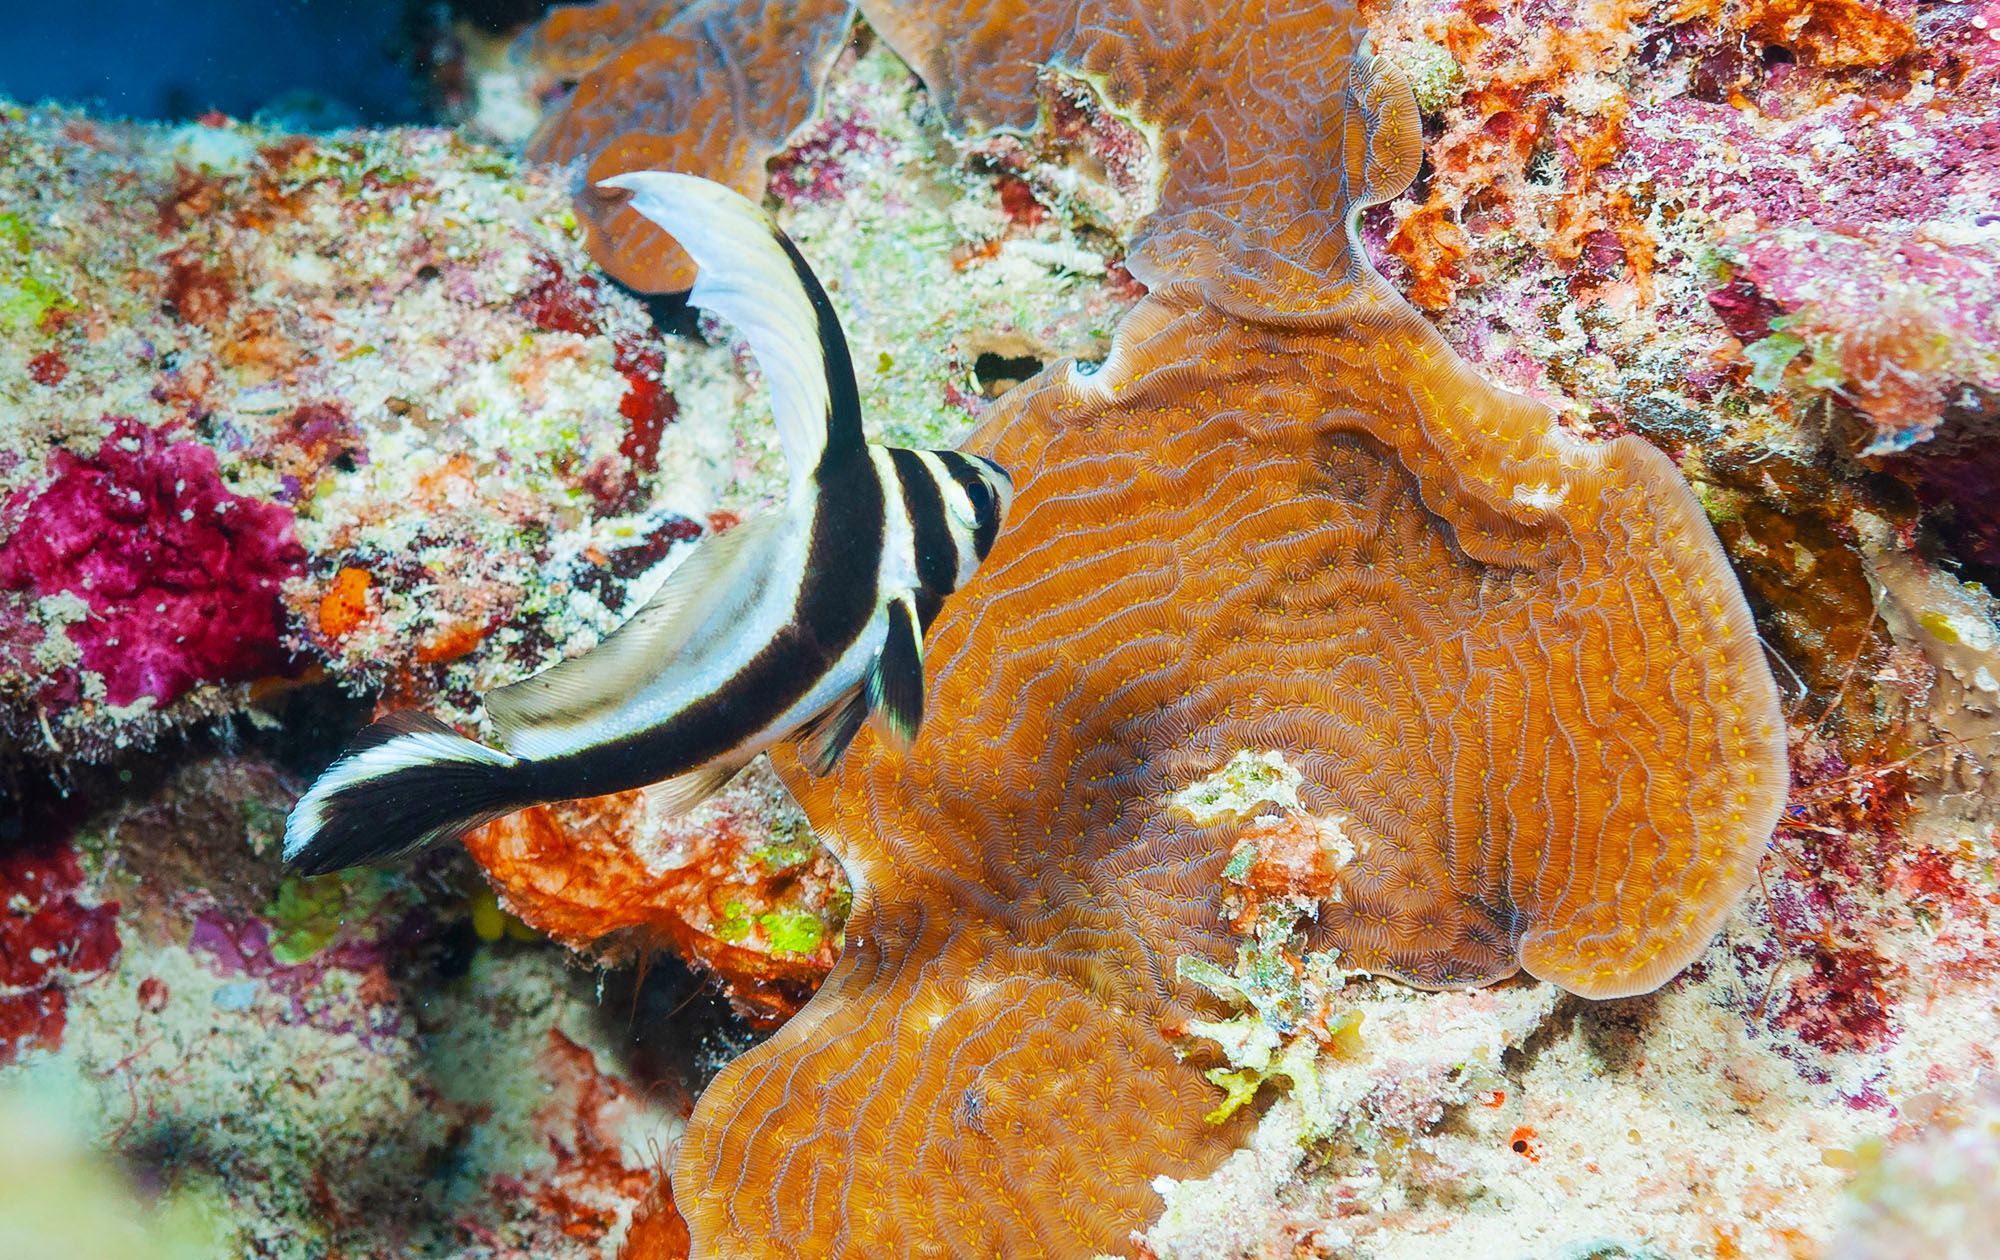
(805, 621)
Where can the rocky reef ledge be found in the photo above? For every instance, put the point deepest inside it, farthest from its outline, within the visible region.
(295, 426)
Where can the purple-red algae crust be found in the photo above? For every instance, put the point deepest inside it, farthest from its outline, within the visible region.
(180, 577)
(52, 936)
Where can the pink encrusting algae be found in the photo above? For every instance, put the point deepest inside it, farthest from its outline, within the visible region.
(179, 576)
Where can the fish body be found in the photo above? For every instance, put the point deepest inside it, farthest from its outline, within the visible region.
(804, 621)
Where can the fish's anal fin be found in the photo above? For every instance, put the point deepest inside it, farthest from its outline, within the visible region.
(895, 682)
(570, 693)
(683, 792)
(823, 739)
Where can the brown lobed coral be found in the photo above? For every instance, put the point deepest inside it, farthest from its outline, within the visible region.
(712, 86)
(1282, 515)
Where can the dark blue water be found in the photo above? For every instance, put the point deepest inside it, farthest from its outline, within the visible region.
(303, 62)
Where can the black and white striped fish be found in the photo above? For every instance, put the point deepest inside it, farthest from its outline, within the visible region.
(804, 621)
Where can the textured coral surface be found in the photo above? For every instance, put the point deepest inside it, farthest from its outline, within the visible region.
(1514, 661)
(1748, 233)
(661, 85)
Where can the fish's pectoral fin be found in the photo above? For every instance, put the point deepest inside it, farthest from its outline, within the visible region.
(569, 693)
(895, 682)
(823, 739)
(683, 792)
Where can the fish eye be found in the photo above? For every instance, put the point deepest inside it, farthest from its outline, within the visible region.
(986, 489)
(998, 496)
(981, 498)
(969, 506)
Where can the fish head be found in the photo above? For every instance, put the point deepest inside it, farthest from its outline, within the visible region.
(977, 499)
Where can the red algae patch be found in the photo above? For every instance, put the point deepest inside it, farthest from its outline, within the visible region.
(589, 1190)
(180, 575)
(50, 940)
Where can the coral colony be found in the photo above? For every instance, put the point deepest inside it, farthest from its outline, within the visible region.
(1475, 734)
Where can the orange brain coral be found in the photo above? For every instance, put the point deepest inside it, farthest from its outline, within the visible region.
(1282, 515)
(713, 86)
(1234, 96)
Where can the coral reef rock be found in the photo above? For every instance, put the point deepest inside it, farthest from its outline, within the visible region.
(1356, 703)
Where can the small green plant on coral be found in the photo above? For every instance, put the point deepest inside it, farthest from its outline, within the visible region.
(25, 298)
(790, 847)
(1776, 361)
(785, 931)
(1269, 1040)
(792, 931)
(736, 922)
(307, 913)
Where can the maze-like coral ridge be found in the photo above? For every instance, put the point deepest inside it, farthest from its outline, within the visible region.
(1232, 97)
(1282, 514)
(713, 86)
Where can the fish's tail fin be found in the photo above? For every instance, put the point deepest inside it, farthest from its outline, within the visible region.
(405, 782)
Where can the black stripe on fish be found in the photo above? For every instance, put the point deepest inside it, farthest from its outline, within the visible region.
(836, 600)
(930, 527)
(844, 439)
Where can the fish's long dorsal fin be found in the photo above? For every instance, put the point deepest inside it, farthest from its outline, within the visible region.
(752, 275)
(895, 682)
(568, 694)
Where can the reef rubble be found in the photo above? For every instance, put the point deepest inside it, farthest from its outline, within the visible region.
(292, 426)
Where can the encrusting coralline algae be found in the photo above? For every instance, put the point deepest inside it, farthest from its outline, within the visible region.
(1748, 233)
